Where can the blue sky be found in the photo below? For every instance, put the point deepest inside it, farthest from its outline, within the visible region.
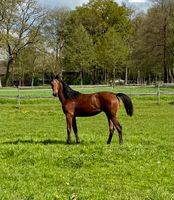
(61, 3)
(142, 4)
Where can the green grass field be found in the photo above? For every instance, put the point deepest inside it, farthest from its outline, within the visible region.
(37, 164)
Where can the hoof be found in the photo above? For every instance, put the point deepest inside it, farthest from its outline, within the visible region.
(68, 142)
(121, 142)
(78, 141)
(108, 142)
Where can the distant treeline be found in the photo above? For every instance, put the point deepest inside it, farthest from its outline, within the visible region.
(97, 42)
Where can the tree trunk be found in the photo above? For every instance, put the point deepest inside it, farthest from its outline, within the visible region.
(113, 81)
(7, 75)
(126, 72)
(32, 81)
(138, 77)
(105, 75)
(0, 83)
(81, 78)
(172, 75)
(43, 79)
(20, 83)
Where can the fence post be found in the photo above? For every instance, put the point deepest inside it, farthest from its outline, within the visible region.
(18, 98)
(158, 93)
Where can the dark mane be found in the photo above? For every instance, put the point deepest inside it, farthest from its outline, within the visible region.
(68, 92)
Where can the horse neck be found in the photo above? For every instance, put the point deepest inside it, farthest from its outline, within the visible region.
(61, 95)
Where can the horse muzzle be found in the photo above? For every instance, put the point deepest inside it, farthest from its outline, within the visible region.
(55, 94)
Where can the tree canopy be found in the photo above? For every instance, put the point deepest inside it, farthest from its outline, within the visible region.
(99, 40)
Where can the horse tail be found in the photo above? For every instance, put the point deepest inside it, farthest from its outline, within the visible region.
(127, 103)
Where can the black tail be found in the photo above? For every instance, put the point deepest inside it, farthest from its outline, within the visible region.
(127, 103)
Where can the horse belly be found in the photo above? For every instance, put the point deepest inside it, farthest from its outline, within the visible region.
(87, 111)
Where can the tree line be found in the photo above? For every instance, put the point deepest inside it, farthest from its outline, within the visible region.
(97, 42)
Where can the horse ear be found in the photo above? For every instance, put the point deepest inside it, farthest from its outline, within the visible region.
(57, 77)
(53, 76)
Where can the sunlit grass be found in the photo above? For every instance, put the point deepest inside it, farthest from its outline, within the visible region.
(36, 163)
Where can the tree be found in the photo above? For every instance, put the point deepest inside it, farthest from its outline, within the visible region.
(153, 40)
(27, 64)
(55, 33)
(79, 51)
(98, 17)
(21, 21)
(112, 52)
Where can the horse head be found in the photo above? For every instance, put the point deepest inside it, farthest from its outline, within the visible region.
(55, 85)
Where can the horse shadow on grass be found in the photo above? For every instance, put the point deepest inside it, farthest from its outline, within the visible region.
(44, 142)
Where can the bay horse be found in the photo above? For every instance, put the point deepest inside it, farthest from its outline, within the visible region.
(76, 104)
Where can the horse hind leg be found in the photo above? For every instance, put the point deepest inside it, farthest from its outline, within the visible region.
(111, 131)
(74, 124)
(119, 129)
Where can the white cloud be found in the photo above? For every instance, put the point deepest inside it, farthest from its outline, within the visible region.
(137, 1)
(73, 3)
(62, 3)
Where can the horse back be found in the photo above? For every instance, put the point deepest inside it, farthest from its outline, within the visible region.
(92, 104)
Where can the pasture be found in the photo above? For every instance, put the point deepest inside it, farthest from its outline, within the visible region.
(37, 164)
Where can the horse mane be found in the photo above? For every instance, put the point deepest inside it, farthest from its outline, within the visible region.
(68, 92)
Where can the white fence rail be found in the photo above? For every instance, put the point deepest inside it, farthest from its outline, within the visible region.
(17, 93)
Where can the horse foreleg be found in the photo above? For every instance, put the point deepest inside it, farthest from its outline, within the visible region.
(69, 126)
(119, 129)
(74, 124)
(111, 131)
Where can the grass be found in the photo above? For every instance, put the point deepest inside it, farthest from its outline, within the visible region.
(37, 164)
